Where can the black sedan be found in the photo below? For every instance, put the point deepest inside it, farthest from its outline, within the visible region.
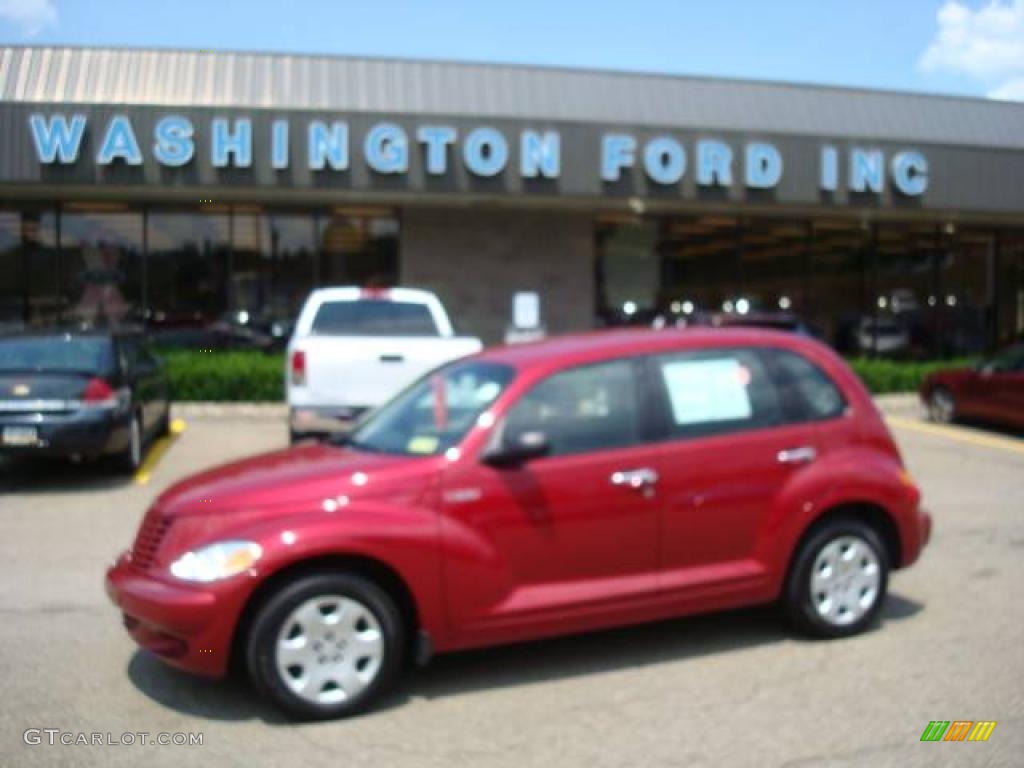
(81, 394)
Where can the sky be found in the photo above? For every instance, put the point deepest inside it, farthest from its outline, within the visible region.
(963, 47)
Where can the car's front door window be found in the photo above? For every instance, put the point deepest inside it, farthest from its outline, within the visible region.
(590, 408)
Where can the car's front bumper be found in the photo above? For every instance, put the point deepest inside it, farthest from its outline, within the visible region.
(77, 433)
(188, 626)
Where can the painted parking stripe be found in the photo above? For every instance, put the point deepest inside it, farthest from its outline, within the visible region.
(160, 447)
(959, 434)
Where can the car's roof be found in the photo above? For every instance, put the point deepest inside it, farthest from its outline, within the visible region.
(599, 345)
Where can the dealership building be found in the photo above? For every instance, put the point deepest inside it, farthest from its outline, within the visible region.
(182, 189)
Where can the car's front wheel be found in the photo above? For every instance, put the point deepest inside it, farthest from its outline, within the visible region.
(326, 645)
(838, 580)
(942, 406)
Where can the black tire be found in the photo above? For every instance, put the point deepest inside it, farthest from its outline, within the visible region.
(163, 427)
(804, 609)
(128, 460)
(269, 622)
(942, 406)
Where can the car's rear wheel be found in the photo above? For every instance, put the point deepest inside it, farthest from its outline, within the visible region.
(942, 406)
(838, 580)
(130, 458)
(326, 645)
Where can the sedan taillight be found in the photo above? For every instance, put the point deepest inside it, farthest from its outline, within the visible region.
(298, 368)
(99, 394)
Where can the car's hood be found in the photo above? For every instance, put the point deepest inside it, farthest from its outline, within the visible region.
(297, 477)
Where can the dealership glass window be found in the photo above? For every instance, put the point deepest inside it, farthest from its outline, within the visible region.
(29, 273)
(772, 266)
(101, 265)
(273, 266)
(837, 281)
(1010, 287)
(963, 303)
(628, 270)
(13, 306)
(188, 268)
(358, 246)
(701, 265)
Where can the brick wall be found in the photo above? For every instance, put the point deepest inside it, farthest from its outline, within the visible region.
(475, 259)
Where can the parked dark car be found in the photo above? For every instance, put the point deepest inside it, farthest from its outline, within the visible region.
(992, 390)
(84, 394)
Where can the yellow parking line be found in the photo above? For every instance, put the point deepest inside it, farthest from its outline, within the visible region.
(959, 434)
(160, 447)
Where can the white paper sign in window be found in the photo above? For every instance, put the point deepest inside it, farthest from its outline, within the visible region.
(703, 391)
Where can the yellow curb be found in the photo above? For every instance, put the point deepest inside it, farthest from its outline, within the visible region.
(959, 434)
(160, 447)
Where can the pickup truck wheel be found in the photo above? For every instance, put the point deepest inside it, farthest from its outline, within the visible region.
(838, 580)
(325, 645)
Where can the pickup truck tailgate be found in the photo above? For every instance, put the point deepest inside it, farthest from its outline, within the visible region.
(367, 371)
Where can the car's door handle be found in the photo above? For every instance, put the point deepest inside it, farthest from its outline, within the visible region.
(634, 478)
(805, 454)
(392, 358)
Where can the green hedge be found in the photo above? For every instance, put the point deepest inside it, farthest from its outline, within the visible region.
(225, 377)
(888, 376)
(245, 376)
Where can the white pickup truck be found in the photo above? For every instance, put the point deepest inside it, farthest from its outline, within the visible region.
(354, 348)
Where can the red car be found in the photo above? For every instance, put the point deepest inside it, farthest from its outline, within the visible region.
(993, 391)
(529, 491)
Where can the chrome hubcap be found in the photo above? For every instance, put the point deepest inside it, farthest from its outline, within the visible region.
(845, 580)
(942, 407)
(136, 443)
(329, 649)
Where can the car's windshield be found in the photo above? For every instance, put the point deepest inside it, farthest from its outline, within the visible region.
(434, 413)
(63, 353)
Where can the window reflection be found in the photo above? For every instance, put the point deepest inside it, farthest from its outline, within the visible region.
(187, 276)
(29, 274)
(358, 246)
(101, 267)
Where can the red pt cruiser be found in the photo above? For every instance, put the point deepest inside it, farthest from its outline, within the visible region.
(530, 491)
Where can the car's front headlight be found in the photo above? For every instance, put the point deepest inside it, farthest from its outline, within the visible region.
(216, 561)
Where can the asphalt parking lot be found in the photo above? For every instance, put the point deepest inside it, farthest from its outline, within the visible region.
(733, 689)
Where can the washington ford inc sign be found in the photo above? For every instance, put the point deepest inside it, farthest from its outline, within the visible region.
(484, 151)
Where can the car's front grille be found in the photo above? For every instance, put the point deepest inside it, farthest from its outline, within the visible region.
(152, 531)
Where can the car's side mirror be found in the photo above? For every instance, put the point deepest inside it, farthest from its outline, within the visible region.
(517, 449)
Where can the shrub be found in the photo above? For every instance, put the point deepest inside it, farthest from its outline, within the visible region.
(889, 376)
(257, 377)
(225, 377)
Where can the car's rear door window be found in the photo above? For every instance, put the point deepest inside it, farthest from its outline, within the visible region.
(805, 391)
(589, 408)
(716, 391)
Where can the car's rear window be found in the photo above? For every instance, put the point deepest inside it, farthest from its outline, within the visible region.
(373, 317)
(64, 353)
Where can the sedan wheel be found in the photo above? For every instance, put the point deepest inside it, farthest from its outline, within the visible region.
(838, 580)
(130, 459)
(325, 645)
(942, 406)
